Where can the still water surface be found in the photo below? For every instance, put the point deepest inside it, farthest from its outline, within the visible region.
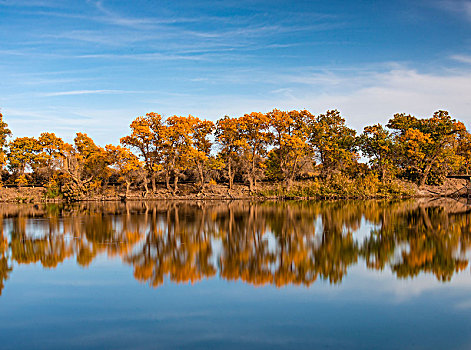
(232, 275)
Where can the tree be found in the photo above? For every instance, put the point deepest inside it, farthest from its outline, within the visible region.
(85, 165)
(51, 158)
(255, 136)
(426, 146)
(464, 151)
(290, 132)
(93, 157)
(23, 154)
(202, 129)
(147, 137)
(334, 143)
(228, 139)
(178, 150)
(4, 134)
(377, 144)
(127, 164)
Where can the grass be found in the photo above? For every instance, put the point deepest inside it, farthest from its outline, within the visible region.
(339, 186)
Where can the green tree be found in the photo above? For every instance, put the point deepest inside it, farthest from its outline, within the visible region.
(334, 143)
(377, 143)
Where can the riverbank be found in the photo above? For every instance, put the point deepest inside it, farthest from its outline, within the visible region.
(337, 188)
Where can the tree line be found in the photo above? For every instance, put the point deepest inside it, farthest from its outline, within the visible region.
(279, 146)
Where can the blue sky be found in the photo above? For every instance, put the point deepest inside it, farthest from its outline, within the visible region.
(93, 66)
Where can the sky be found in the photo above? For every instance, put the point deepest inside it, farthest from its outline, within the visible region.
(93, 66)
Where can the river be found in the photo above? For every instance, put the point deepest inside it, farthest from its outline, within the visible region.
(231, 275)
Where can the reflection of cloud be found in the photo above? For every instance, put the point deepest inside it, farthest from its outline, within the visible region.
(385, 284)
(464, 305)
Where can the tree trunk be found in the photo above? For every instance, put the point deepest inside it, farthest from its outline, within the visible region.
(154, 187)
(167, 180)
(231, 176)
(146, 187)
(424, 176)
(175, 184)
(128, 185)
(251, 184)
(253, 178)
(201, 175)
(291, 175)
(288, 183)
(253, 171)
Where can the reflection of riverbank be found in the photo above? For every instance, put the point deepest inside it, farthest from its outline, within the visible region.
(277, 243)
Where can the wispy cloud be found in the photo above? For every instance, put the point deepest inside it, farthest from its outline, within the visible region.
(180, 38)
(30, 3)
(104, 125)
(86, 92)
(370, 97)
(461, 58)
(458, 7)
(153, 56)
(14, 52)
(102, 37)
(364, 99)
(57, 81)
(112, 17)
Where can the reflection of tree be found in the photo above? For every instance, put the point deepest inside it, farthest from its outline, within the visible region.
(245, 253)
(50, 249)
(429, 239)
(5, 267)
(275, 243)
(176, 244)
(296, 256)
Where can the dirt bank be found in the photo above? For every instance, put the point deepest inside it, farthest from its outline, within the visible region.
(221, 192)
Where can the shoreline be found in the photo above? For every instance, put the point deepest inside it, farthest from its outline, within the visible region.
(266, 191)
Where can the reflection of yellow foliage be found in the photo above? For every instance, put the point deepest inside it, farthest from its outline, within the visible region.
(259, 243)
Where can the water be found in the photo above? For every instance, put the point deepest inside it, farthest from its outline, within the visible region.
(231, 275)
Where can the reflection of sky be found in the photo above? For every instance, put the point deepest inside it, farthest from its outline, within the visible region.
(104, 306)
(366, 227)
